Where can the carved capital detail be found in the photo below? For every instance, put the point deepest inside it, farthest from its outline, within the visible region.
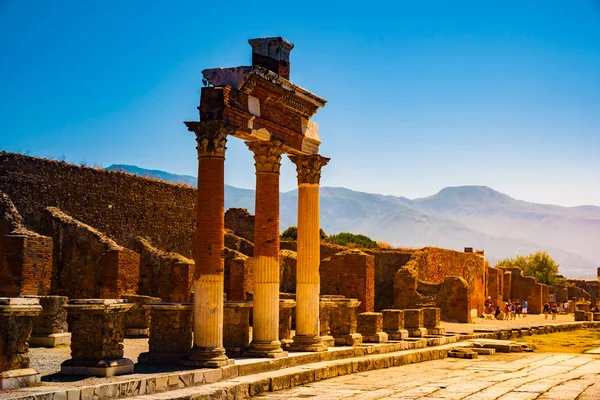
(309, 167)
(211, 137)
(267, 155)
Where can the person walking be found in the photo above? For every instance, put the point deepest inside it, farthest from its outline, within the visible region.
(554, 310)
(525, 305)
(546, 310)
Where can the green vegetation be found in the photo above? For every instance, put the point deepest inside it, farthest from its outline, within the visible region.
(343, 239)
(353, 240)
(538, 265)
(291, 233)
(577, 341)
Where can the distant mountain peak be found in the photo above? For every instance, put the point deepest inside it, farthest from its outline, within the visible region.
(469, 194)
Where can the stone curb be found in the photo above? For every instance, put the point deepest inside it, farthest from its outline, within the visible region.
(253, 385)
(193, 379)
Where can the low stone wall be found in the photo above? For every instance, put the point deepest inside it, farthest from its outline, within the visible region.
(87, 264)
(25, 256)
(169, 276)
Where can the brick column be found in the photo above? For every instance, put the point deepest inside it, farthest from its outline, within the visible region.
(307, 270)
(265, 327)
(208, 350)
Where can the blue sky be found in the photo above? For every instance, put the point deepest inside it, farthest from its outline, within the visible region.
(421, 95)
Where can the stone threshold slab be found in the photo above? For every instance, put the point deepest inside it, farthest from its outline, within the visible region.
(134, 385)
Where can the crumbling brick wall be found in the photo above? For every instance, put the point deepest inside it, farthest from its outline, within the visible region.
(169, 276)
(238, 275)
(351, 274)
(495, 285)
(241, 222)
(25, 256)
(86, 263)
(589, 286)
(387, 262)
(526, 288)
(122, 206)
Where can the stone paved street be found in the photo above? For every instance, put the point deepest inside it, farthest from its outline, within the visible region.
(515, 376)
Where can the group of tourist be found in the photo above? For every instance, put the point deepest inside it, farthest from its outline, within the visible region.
(555, 309)
(512, 309)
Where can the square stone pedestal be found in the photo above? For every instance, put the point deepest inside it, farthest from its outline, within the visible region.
(343, 322)
(413, 322)
(370, 326)
(50, 326)
(170, 333)
(325, 307)
(393, 324)
(137, 319)
(16, 323)
(431, 321)
(236, 327)
(97, 327)
(286, 309)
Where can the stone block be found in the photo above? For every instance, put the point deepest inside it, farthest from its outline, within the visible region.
(236, 327)
(484, 351)
(431, 317)
(417, 332)
(596, 316)
(413, 319)
(579, 315)
(379, 337)
(137, 319)
(97, 327)
(351, 339)
(170, 333)
(462, 353)
(370, 323)
(16, 323)
(343, 322)
(286, 309)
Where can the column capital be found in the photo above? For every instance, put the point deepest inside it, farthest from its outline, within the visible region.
(309, 167)
(211, 137)
(267, 155)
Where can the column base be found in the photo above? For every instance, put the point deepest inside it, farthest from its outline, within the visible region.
(417, 332)
(398, 335)
(100, 368)
(328, 340)
(308, 343)
(351, 339)
(436, 330)
(207, 357)
(378, 337)
(266, 350)
(286, 344)
(50, 339)
(17, 378)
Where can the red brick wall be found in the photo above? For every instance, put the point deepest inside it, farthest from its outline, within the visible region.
(350, 274)
(25, 256)
(87, 264)
(525, 288)
(437, 264)
(169, 276)
(495, 285)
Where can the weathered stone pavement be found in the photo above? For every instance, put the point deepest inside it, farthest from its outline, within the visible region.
(514, 376)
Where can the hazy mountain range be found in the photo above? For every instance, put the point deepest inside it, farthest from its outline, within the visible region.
(456, 217)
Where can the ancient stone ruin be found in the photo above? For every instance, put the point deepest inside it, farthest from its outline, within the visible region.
(88, 256)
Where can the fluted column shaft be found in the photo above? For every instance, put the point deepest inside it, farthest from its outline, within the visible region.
(309, 245)
(208, 350)
(265, 326)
